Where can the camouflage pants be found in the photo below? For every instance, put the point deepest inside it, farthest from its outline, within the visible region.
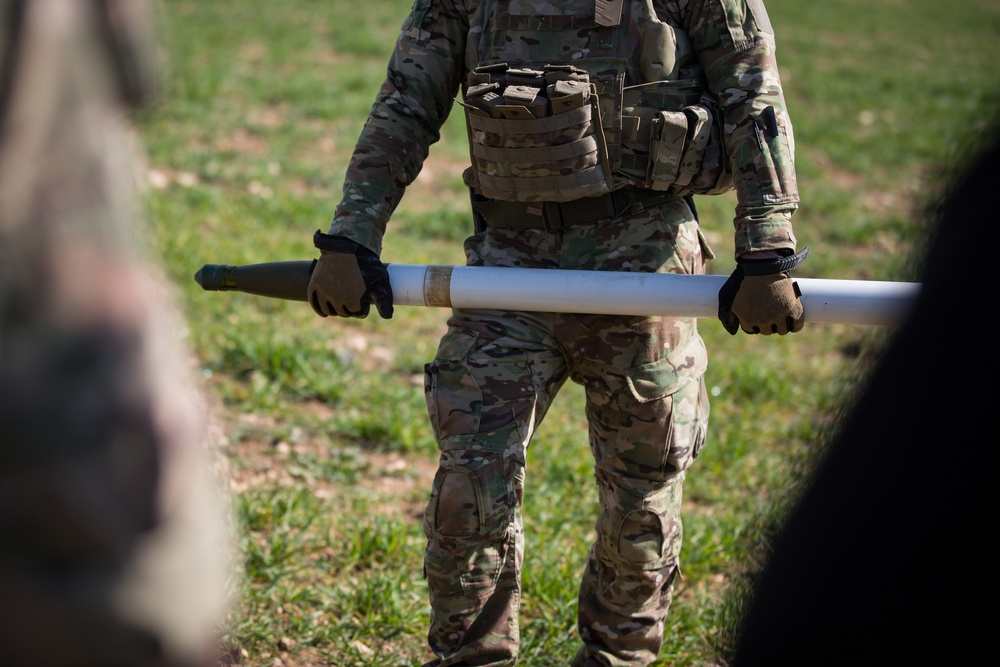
(494, 377)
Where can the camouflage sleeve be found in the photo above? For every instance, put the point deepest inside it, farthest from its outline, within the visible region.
(736, 45)
(423, 78)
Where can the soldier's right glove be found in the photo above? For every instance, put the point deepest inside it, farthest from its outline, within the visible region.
(347, 278)
(760, 297)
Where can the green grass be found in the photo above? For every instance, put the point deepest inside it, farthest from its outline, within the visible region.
(326, 438)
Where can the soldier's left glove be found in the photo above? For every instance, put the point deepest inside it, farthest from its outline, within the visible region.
(760, 297)
(347, 279)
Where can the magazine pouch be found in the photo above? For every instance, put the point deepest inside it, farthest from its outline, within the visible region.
(672, 139)
(535, 134)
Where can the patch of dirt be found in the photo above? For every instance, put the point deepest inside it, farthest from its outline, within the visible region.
(243, 141)
(246, 455)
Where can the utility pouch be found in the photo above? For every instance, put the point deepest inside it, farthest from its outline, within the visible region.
(672, 138)
(689, 156)
(535, 135)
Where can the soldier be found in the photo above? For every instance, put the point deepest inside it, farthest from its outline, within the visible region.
(592, 123)
(111, 534)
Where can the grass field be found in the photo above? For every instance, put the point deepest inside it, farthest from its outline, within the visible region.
(320, 424)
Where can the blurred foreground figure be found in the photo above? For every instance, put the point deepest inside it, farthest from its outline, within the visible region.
(881, 561)
(112, 537)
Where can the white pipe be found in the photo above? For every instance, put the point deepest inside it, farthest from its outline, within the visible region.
(864, 302)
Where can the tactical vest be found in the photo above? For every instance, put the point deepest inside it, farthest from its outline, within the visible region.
(575, 98)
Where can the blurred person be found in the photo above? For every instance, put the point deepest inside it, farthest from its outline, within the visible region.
(113, 545)
(881, 560)
(592, 124)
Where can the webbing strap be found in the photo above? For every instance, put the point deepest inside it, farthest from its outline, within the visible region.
(554, 123)
(540, 154)
(540, 22)
(764, 267)
(586, 177)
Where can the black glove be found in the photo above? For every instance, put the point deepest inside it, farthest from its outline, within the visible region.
(761, 298)
(347, 278)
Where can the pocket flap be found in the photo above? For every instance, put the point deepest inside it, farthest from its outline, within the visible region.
(667, 151)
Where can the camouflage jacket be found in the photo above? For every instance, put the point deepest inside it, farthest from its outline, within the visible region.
(728, 45)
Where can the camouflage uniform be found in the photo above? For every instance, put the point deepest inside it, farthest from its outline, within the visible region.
(111, 533)
(648, 65)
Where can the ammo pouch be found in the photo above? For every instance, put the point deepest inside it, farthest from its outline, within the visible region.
(672, 139)
(535, 135)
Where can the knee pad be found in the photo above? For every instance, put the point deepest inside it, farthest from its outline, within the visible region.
(474, 502)
(641, 528)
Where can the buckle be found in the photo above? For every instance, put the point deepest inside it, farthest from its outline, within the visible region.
(552, 217)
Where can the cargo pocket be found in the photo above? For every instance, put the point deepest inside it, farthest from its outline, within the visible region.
(454, 397)
(668, 393)
(665, 376)
(690, 425)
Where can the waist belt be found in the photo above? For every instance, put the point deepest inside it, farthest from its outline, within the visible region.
(555, 216)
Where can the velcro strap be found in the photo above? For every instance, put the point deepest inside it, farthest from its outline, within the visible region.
(765, 267)
(334, 243)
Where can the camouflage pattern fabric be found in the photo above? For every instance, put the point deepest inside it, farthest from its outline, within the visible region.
(538, 142)
(496, 372)
(112, 533)
(439, 45)
(492, 381)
